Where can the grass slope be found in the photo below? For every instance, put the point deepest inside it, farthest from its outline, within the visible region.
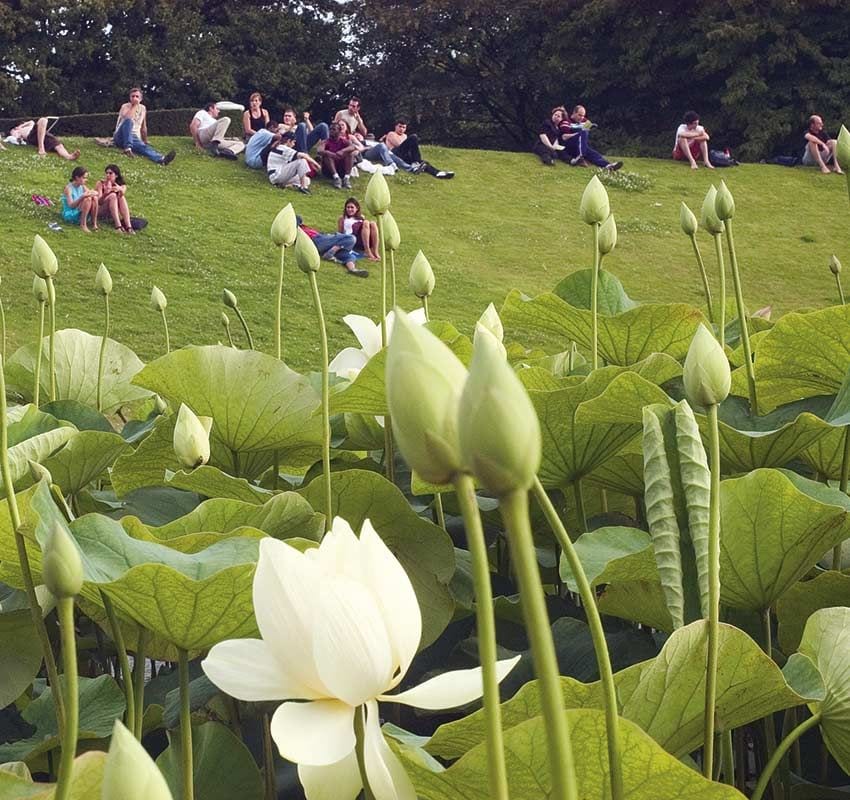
(505, 221)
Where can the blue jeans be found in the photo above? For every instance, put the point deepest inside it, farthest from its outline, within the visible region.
(380, 152)
(124, 139)
(577, 147)
(345, 241)
(304, 140)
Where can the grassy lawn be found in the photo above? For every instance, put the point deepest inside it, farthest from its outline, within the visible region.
(505, 221)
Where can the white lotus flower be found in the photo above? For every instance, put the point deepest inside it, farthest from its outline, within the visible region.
(340, 626)
(349, 362)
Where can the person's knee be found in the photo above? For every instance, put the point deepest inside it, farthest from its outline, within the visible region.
(347, 241)
(323, 129)
(413, 138)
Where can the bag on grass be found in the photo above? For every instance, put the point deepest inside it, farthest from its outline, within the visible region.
(137, 223)
(721, 158)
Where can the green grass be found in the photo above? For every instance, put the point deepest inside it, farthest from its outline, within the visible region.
(505, 221)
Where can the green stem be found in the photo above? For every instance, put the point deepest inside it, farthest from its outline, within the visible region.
(840, 289)
(769, 730)
(36, 389)
(326, 424)
(23, 557)
(102, 355)
(742, 318)
(579, 498)
(597, 634)
(245, 328)
(167, 335)
(842, 486)
(360, 743)
(3, 329)
(139, 681)
(389, 450)
(704, 275)
(594, 299)
(486, 629)
(72, 697)
(51, 299)
(229, 335)
(438, 509)
(268, 760)
(392, 274)
(780, 752)
(185, 725)
(728, 756)
(718, 251)
(277, 342)
(713, 594)
(425, 307)
(514, 510)
(383, 282)
(126, 676)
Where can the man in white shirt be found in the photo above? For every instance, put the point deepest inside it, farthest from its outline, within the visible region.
(691, 141)
(207, 128)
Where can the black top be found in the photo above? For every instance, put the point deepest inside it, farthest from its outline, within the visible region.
(550, 130)
(257, 123)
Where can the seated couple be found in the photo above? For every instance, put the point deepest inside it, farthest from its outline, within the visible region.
(565, 137)
(338, 247)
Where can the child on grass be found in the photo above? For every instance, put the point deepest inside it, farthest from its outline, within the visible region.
(79, 203)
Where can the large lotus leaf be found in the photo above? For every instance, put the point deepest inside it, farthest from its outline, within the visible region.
(624, 339)
(211, 482)
(772, 533)
(20, 654)
(34, 437)
(802, 600)
(826, 454)
(613, 555)
(648, 772)
(622, 473)
(146, 465)
(424, 549)
(101, 703)
(804, 355)
(81, 416)
(826, 641)
(77, 354)
(27, 421)
(611, 297)
(83, 458)
(223, 767)
(86, 781)
(637, 601)
(366, 394)
(256, 402)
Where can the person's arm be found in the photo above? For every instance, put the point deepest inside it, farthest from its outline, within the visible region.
(143, 128)
(545, 140)
(246, 123)
(337, 116)
(339, 225)
(311, 161)
(194, 130)
(812, 138)
(393, 140)
(69, 201)
(361, 125)
(307, 121)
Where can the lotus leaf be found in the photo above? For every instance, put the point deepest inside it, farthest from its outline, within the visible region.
(613, 555)
(611, 296)
(210, 481)
(804, 598)
(86, 781)
(20, 654)
(83, 458)
(81, 416)
(622, 473)
(637, 601)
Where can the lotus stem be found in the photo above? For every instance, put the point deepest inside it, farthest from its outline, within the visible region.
(728, 756)
(742, 319)
(268, 759)
(100, 359)
(713, 594)
(51, 299)
(139, 681)
(842, 486)
(704, 275)
(3, 329)
(514, 510)
(486, 629)
(438, 510)
(718, 250)
(167, 337)
(226, 322)
(326, 425)
(840, 289)
(359, 747)
(72, 697)
(392, 270)
(126, 676)
(594, 299)
(579, 498)
(245, 328)
(597, 634)
(389, 450)
(780, 752)
(278, 321)
(23, 558)
(36, 389)
(185, 726)
(384, 282)
(425, 308)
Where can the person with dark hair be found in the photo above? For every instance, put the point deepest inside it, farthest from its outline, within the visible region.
(692, 141)
(259, 146)
(208, 128)
(255, 118)
(336, 247)
(79, 203)
(350, 115)
(287, 166)
(111, 191)
(131, 131)
(336, 154)
(306, 134)
(575, 132)
(820, 147)
(35, 132)
(548, 145)
(364, 231)
(406, 147)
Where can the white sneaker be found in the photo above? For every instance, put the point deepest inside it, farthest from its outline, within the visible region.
(337, 182)
(346, 182)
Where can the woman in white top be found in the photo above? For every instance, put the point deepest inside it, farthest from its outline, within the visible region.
(366, 232)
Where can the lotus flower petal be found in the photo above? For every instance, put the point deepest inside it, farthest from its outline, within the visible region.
(387, 778)
(319, 732)
(340, 781)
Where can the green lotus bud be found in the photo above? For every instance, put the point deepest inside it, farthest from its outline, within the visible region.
(62, 569)
(103, 281)
(710, 221)
(842, 147)
(306, 255)
(229, 299)
(607, 235)
(706, 374)
(378, 194)
(420, 366)
(44, 263)
(158, 300)
(225, 320)
(159, 405)
(724, 203)
(130, 773)
(834, 265)
(39, 289)
(192, 438)
(392, 235)
(39, 472)
(284, 227)
(688, 221)
(499, 431)
(491, 320)
(421, 279)
(594, 207)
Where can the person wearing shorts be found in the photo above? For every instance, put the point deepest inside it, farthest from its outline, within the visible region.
(691, 141)
(820, 147)
(36, 133)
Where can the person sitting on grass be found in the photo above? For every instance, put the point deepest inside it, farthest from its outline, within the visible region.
(131, 131)
(336, 154)
(351, 116)
(692, 141)
(575, 132)
(336, 247)
(820, 147)
(285, 166)
(548, 145)
(36, 134)
(406, 147)
(255, 118)
(208, 129)
(79, 203)
(111, 192)
(306, 135)
(364, 231)
(259, 146)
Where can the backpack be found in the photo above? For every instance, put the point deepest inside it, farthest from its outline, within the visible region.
(721, 158)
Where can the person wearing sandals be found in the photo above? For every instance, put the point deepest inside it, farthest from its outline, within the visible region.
(131, 131)
(255, 118)
(79, 203)
(112, 191)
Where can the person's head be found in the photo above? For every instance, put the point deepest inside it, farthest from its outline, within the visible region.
(351, 207)
(558, 114)
(289, 116)
(401, 126)
(212, 109)
(113, 172)
(135, 95)
(79, 174)
(691, 119)
(287, 138)
(579, 114)
(337, 129)
(815, 123)
(354, 105)
(255, 100)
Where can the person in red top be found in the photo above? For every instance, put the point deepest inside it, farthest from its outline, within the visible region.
(336, 154)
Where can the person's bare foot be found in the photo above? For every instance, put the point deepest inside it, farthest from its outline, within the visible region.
(42, 152)
(839, 171)
(128, 152)
(74, 156)
(694, 165)
(84, 229)
(825, 170)
(373, 257)
(709, 165)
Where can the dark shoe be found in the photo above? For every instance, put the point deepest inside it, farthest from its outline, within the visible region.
(359, 273)
(303, 190)
(615, 166)
(168, 158)
(228, 154)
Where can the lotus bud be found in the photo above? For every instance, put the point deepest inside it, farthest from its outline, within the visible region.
(392, 235)
(594, 207)
(421, 276)
(130, 773)
(192, 438)
(103, 281)
(44, 263)
(834, 265)
(159, 405)
(229, 299)
(378, 194)
(39, 289)
(481, 330)
(724, 203)
(62, 569)
(158, 300)
(491, 320)
(607, 235)
(499, 431)
(284, 227)
(420, 366)
(842, 147)
(39, 473)
(706, 374)
(710, 221)
(225, 320)
(688, 221)
(306, 255)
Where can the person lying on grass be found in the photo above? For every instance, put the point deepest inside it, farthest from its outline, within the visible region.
(335, 247)
(36, 134)
(79, 203)
(111, 191)
(406, 147)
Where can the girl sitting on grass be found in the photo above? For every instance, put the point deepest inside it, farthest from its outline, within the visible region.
(111, 191)
(352, 221)
(79, 203)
